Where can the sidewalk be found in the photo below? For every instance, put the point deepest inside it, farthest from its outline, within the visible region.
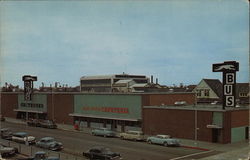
(233, 151)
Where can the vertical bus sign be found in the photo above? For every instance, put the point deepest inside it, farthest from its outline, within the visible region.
(228, 68)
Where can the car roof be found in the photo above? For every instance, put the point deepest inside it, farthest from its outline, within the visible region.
(163, 135)
(99, 147)
(20, 133)
(40, 152)
(47, 138)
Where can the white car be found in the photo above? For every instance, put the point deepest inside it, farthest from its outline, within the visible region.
(132, 135)
(23, 137)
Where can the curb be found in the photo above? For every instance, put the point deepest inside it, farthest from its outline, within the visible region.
(198, 148)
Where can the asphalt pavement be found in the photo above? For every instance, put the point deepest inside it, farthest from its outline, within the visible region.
(76, 142)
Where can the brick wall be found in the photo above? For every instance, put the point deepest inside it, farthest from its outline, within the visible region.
(63, 106)
(177, 123)
(239, 118)
(9, 102)
(168, 99)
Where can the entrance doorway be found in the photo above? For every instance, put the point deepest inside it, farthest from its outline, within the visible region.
(247, 133)
(215, 135)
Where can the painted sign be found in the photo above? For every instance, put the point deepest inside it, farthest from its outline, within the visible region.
(229, 69)
(38, 103)
(113, 106)
(108, 109)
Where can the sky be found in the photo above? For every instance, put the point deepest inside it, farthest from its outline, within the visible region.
(176, 41)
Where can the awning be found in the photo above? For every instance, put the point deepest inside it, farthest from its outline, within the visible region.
(214, 126)
(94, 116)
(30, 111)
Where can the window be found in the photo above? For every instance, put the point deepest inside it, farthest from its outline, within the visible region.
(198, 93)
(243, 94)
(206, 92)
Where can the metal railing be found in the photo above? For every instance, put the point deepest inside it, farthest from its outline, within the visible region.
(30, 150)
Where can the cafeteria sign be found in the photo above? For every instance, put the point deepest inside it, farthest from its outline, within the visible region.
(229, 69)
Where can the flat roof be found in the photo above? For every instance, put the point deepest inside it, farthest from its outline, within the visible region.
(104, 93)
(200, 107)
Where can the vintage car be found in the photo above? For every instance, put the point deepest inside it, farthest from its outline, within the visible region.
(23, 137)
(33, 122)
(40, 155)
(101, 153)
(165, 140)
(105, 132)
(49, 143)
(132, 135)
(6, 133)
(48, 124)
(7, 151)
(42, 123)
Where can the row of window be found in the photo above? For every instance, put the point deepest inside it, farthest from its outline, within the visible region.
(200, 91)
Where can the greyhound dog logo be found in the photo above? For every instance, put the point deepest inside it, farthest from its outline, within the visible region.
(225, 67)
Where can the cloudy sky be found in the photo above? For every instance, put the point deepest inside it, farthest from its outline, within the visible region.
(177, 41)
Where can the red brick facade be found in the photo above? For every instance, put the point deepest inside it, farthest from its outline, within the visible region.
(9, 102)
(60, 108)
(168, 99)
(177, 122)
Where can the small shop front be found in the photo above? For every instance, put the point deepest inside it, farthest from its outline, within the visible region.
(116, 112)
(35, 109)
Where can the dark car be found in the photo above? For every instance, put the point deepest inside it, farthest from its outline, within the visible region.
(33, 122)
(7, 151)
(6, 133)
(48, 124)
(101, 153)
(40, 155)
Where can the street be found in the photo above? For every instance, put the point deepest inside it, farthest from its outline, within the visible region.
(77, 142)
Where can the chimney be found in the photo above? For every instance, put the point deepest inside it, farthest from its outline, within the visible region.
(152, 79)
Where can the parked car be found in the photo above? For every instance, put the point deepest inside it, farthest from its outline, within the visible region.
(48, 124)
(165, 140)
(101, 153)
(105, 132)
(6, 133)
(132, 135)
(49, 143)
(23, 137)
(33, 122)
(7, 151)
(40, 155)
(42, 123)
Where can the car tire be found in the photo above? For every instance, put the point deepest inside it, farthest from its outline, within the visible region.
(104, 135)
(165, 144)
(122, 137)
(149, 141)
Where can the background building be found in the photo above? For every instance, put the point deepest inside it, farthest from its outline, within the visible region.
(105, 83)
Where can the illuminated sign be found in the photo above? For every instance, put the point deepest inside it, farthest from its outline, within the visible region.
(28, 86)
(229, 69)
